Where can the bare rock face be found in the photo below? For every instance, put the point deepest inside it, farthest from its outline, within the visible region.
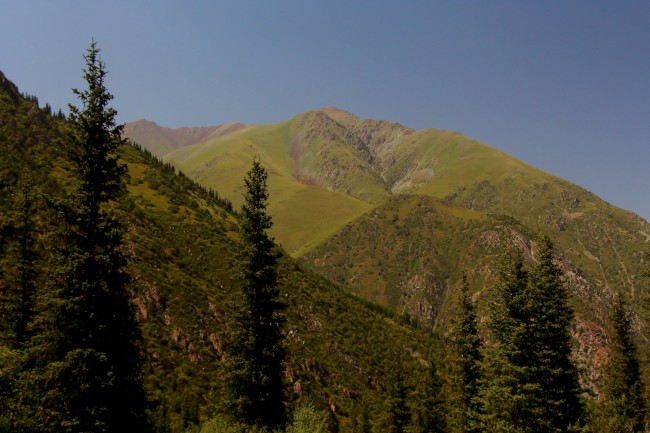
(591, 354)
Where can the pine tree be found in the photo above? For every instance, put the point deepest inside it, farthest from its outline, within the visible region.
(20, 273)
(435, 420)
(552, 379)
(256, 385)
(531, 383)
(468, 350)
(398, 414)
(86, 361)
(500, 393)
(624, 389)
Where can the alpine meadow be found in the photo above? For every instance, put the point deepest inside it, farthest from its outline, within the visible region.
(327, 273)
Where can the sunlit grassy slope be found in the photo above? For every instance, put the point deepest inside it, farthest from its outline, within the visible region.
(304, 214)
(328, 167)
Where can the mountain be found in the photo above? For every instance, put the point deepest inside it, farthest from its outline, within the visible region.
(160, 140)
(305, 213)
(180, 243)
(396, 215)
(329, 167)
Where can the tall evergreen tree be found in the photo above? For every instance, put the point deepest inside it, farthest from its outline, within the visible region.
(256, 385)
(552, 378)
(501, 397)
(624, 390)
(435, 420)
(468, 350)
(532, 384)
(18, 261)
(397, 411)
(86, 358)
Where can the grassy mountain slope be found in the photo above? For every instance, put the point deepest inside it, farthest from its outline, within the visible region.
(341, 350)
(404, 253)
(330, 150)
(305, 214)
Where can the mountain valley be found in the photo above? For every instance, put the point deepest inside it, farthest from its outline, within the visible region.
(377, 227)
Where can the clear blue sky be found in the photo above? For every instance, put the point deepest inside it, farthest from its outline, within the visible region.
(562, 85)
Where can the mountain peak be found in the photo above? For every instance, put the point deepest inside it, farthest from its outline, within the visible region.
(335, 110)
(141, 122)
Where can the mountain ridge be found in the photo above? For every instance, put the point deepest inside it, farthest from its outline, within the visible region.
(331, 151)
(159, 139)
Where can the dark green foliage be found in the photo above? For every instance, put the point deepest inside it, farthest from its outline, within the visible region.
(552, 387)
(531, 383)
(624, 390)
(507, 308)
(307, 419)
(18, 260)
(435, 420)
(359, 419)
(397, 410)
(501, 395)
(84, 361)
(467, 343)
(25, 156)
(256, 383)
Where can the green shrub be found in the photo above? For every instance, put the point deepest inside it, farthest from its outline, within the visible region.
(222, 424)
(306, 419)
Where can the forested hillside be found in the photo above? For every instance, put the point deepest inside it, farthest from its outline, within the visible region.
(179, 242)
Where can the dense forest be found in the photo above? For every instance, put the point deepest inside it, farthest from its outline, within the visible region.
(134, 299)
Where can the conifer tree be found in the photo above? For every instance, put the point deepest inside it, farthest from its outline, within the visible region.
(531, 383)
(552, 376)
(624, 390)
(256, 385)
(398, 414)
(435, 420)
(86, 358)
(18, 261)
(500, 392)
(468, 351)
